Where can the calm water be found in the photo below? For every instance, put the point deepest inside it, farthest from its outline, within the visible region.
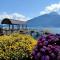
(51, 29)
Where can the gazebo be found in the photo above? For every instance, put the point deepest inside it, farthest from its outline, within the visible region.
(12, 24)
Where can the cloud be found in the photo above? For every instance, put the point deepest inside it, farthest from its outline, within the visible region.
(15, 16)
(51, 8)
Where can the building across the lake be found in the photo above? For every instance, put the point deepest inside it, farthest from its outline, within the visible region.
(12, 25)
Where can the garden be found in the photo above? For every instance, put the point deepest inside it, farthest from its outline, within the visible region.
(26, 47)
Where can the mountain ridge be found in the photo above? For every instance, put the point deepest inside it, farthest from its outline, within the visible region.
(46, 20)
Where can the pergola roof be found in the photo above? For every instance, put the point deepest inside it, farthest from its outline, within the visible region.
(11, 21)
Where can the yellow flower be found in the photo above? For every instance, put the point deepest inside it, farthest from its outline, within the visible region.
(16, 45)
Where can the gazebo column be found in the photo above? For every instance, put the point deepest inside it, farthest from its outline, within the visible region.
(12, 28)
(1, 30)
(25, 26)
(18, 27)
(9, 28)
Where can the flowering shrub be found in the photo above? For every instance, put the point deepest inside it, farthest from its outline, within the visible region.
(47, 48)
(16, 46)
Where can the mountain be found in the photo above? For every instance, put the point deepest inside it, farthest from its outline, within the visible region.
(47, 20)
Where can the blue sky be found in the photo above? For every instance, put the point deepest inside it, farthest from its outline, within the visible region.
(26, 8)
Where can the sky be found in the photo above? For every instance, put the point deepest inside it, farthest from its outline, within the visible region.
(27, 9)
